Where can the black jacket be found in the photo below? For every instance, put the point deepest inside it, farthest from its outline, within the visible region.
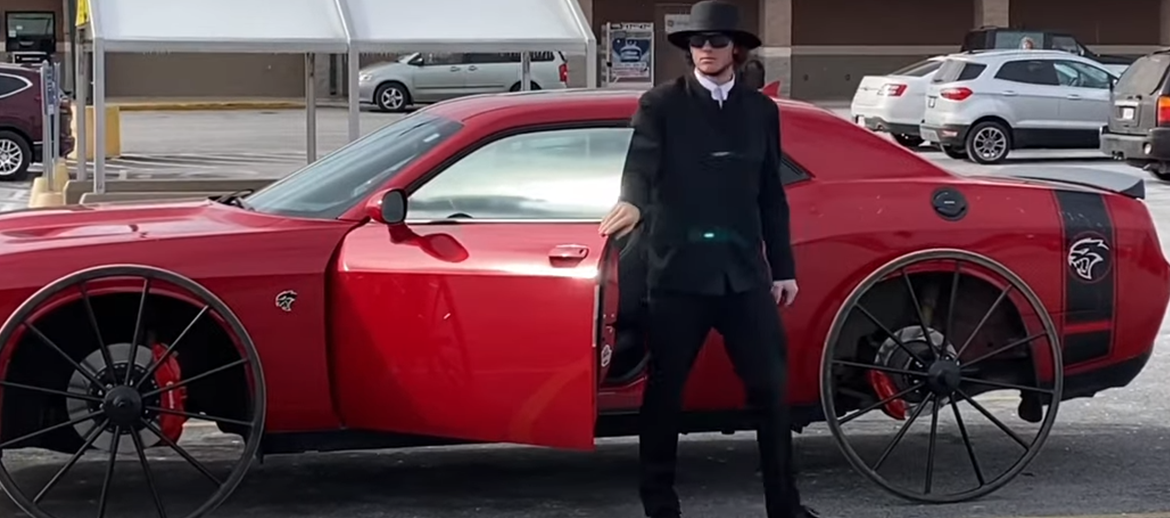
(707, 181)
(752, 74)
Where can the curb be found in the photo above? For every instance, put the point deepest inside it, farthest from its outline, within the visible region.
(209, 106)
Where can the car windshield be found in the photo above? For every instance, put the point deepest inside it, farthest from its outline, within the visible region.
(919, 69)
(407, 58)
(332, 185)
(1144, 77)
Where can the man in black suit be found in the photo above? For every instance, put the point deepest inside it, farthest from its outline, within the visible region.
(703, 170)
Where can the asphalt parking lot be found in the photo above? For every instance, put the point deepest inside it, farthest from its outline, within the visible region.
(1106, 456)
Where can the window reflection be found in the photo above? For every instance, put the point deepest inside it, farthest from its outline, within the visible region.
(548, 174)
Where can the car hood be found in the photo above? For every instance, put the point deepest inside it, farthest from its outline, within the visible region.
(383, 68)
(86, 225)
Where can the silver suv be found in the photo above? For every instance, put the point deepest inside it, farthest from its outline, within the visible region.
(432, 77)
(981, 105)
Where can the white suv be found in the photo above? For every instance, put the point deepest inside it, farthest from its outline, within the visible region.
(983, 104)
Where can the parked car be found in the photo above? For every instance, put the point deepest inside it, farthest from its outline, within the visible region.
(432, 77)
(21, 122)
(894, 103)
(993, 37)
(442, 280)
(1138, 129)
(981, 105)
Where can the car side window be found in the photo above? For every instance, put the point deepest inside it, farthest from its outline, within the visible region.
(1066, 43)
(572, 173)
(1080, 75)
(442, 58)
(1031, 71)
(10, 85)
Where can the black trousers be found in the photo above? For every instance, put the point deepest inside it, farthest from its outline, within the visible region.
(678, 324)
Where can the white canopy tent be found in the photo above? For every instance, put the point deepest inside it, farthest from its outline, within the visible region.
(306, 27)
(381, 26)
(313, 27)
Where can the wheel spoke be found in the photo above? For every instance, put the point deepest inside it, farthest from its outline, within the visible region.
(190, 415)
(919, 313)
(73, 363)
(97, 330)
(994, 420)
(880, 404)
(106, 482)
(982, 321)
(930, 448)
(886, 330)
(43, 390)
(148, 474)
(137, 329)
(43, 431)
(170, 349)
(182, 452)
(193, 379)
(967, 443)
(950, 329)
(880, 368)
(91, 438)
(1005, 348)
(1002, 385)
(901, 433)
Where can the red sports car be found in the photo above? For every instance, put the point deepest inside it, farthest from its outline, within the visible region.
(442, 280)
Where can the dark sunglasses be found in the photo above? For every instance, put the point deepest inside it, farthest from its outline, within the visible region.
(716, 39)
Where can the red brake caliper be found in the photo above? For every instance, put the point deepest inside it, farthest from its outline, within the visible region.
(175, 400)
(884, 387)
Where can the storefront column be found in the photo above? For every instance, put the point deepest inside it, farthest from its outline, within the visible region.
(1164, 36)
(992, 12)
(576, 61)
(776, 33)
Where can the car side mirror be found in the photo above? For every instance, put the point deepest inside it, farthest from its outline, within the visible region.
(389, 208)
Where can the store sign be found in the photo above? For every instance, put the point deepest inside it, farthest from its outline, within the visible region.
(677, 22)
(631, 52)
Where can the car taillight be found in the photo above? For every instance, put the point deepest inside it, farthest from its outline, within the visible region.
(564, 71)
(956, 94)
(892, 90)
(1163, 114)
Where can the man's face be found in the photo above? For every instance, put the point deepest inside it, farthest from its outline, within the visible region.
(712, 52)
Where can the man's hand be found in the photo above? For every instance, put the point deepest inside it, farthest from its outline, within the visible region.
(784, 291)
(621, 220)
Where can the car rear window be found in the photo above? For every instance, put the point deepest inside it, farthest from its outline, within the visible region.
(958, 70)
(918, 69)
(1144, 76)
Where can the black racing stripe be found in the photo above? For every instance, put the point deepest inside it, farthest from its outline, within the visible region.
(1090, 273)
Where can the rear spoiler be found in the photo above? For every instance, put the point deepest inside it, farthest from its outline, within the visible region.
(1119, 183)
(771, 89)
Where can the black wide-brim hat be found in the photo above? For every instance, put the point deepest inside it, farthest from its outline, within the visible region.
(714, 16)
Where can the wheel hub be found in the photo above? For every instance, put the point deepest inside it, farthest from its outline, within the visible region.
(943, 377)
(123, 405)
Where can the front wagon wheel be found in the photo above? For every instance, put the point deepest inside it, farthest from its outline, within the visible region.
(956, 343)
(121, 394)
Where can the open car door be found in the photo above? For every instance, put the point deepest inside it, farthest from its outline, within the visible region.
(476, 331)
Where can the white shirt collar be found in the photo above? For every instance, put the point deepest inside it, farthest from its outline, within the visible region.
(719, 92)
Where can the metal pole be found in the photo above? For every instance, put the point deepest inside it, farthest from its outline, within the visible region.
(525, 71)
(311, 108)
(46, 123)
(80, 101)
(99, 118)
(355, 121)
(53, 149)
(591, 62)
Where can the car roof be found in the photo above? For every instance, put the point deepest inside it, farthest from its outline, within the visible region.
(464, 108)
(994, 54)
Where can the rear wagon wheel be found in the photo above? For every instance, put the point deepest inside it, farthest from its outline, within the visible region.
(988, 142)
(15, 157)
(961, 331)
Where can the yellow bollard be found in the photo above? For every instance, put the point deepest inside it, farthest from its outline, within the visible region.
(113, 132)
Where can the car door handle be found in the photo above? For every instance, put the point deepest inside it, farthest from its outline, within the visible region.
(567, 255)
(1073, 97)
(1009, 93)
(473, 68)
(454, 69)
